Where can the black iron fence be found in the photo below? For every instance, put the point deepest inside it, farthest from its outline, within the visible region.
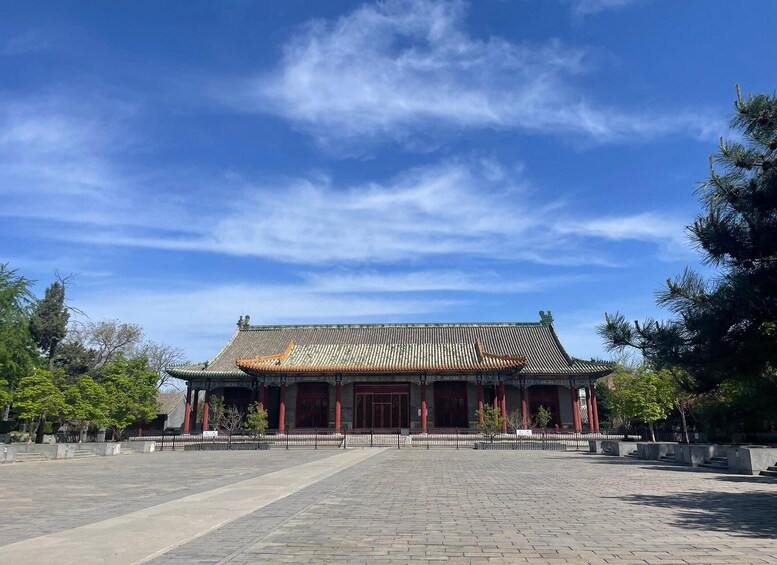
(398, 439)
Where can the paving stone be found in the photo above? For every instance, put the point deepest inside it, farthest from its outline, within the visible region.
(443, 505)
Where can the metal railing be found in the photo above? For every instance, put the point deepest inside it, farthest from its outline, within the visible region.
(398, 439)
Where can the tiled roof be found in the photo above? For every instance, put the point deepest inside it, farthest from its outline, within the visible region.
(380, 357)
(168, 401)
(412, 346)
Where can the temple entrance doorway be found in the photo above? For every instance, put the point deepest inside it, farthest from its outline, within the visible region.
(450, 404)
(547, 396)
(381, 406)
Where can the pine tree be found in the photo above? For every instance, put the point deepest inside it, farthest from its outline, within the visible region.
(48, 323)
(725, 327)
(17, 350)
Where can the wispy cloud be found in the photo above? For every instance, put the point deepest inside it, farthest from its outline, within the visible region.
(590, 7)
(451, 209)
(31, 41)
(204, 328)
(403, 70)
(436, 281)
(344, 296)
(59, 169)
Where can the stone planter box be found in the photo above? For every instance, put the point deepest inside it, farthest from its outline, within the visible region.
(595, 445)
(620, 448)
(7, 453)
(49, 451)
(655, 451)
(695, 455)
(101, 449)
(751, 459)
(140, 446)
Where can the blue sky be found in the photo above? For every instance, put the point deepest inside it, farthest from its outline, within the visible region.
(309, 162)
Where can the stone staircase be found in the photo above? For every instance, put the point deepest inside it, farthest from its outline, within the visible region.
(718, 463)
(30, 457)
(770, 472)
(83, 454)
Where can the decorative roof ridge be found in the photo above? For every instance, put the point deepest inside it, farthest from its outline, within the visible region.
(592, 362)
(566, 355)
(391, 325)
(279, 357)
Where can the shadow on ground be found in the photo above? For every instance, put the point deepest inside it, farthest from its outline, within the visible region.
(751, 514)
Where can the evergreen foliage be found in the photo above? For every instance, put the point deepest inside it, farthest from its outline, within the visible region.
(492, 422)
(216, 410)
(256, 419)
(17, 350)
(48, 323)
(724, 328)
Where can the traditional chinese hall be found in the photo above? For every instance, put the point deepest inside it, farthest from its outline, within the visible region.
(415, 377)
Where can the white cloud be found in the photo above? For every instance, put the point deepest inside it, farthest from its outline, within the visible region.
(405, 69)
(435, 281)
(590, 7)
(201, 319)
(454, 209)
(59, 170)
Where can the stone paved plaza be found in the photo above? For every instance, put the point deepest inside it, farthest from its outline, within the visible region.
(384, 505)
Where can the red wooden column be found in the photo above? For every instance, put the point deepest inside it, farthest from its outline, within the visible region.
(195, 406)
(496, 397)
(595, 407)
(575, 408)
(188, 410)
(503, 406)
(337, 405)
(282, 409)
(591, 427)
(423, 406)
(480, 401)
(260, 396)
(205, 410)
(524, 402)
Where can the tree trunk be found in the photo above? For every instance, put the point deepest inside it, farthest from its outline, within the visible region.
(686, 437)
(6, 412)
(652, 432)
(41, 428)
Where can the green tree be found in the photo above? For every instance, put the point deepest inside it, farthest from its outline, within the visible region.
(492, 422)
(5, 394)
(48, 326)
(131, 390)
(256, 419)
(216, 411)
(644, 395)
(36, 397)
(48, 322)
(544, 416)
(17, 350)
(75, 359)
(725, 327)
(87, 404)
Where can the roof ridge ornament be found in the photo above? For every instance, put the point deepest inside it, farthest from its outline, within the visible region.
(244, 322)
(546, 319)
